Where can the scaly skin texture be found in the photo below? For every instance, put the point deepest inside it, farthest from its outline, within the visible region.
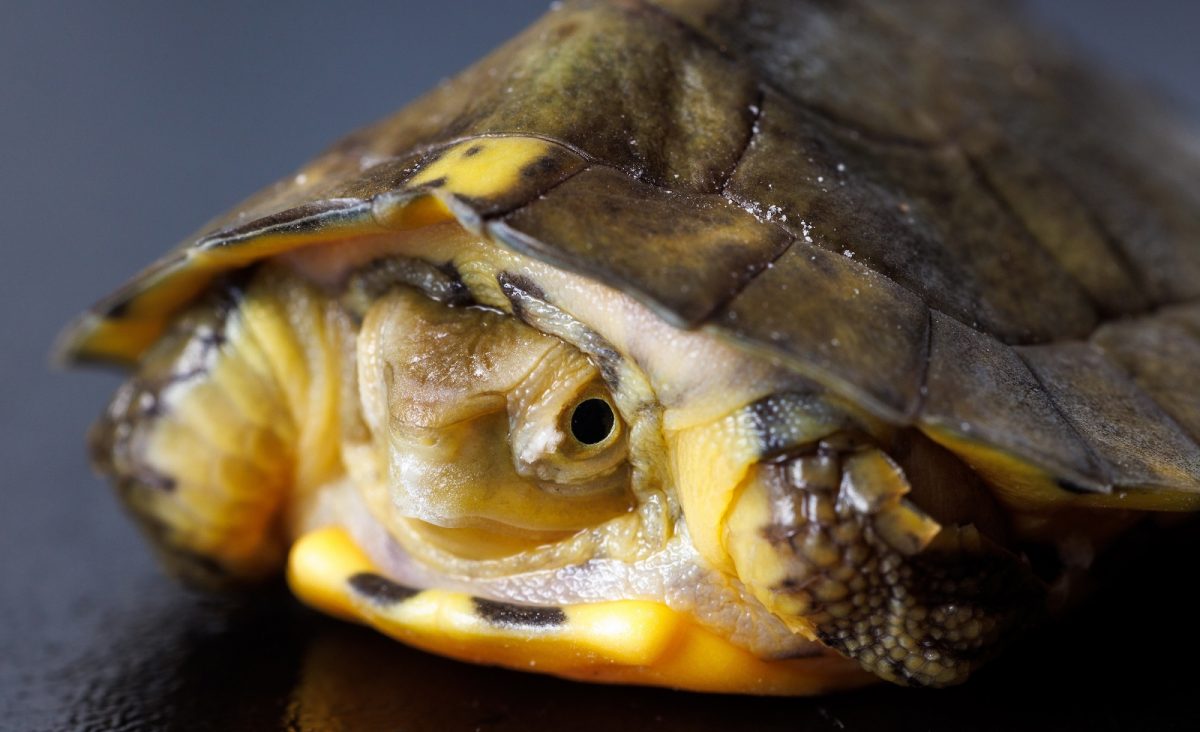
(218, 441)
(827, 540)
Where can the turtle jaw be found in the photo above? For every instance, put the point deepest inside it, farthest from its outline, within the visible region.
(622, 641)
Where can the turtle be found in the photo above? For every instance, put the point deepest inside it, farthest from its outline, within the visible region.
(769, 347)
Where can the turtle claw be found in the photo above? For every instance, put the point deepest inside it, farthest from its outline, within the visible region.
(828, 542)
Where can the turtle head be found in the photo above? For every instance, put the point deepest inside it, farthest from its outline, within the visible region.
(492, 438)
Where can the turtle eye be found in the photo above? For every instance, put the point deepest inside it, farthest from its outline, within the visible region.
(592, 421)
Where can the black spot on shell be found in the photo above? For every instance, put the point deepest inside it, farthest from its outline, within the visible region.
(436, 182)
(381, 590)
(472, 151)
(540, 168)
(503, 613)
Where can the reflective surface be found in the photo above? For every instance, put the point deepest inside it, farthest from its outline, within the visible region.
(179, 661)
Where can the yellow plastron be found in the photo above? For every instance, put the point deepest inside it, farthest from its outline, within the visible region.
(622, 642)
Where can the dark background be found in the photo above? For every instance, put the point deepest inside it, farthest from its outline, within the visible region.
(123, 126)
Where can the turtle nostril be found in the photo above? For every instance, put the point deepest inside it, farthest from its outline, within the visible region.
(592, 421)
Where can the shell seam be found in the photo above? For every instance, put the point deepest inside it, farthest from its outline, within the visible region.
(981, 178)
(751, 136)
(926, 358)
(1107, 477)
(699, 37)
(1164, 415)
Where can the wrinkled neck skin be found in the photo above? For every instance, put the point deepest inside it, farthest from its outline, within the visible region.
(461, 470)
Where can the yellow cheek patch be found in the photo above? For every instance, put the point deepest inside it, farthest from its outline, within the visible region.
(622, 642)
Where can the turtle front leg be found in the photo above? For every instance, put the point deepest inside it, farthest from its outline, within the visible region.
(230, 420)
(831, 541)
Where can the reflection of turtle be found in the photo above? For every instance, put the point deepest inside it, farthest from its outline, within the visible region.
(687, 343)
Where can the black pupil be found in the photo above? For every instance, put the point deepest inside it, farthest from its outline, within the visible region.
(592, 421)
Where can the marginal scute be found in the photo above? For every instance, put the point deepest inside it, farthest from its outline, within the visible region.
(1143, 446)
(1162, 356)
(493, 175)
(980, 390)
(391, 196)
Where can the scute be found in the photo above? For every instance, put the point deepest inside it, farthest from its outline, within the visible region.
(923, 216)
(980, 389)
(1162, 356)
(840, 323)
(693, 250)
(959, 246)
(1121, 422)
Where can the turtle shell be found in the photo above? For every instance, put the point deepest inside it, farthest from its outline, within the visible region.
(925, 207)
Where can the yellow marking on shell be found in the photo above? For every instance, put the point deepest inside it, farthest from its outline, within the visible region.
(477, 168)
(403, 212)
(1024, 487)
(96, 338)
(152, 300)
(625, 642)
(483, 167)
(1016, 482)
